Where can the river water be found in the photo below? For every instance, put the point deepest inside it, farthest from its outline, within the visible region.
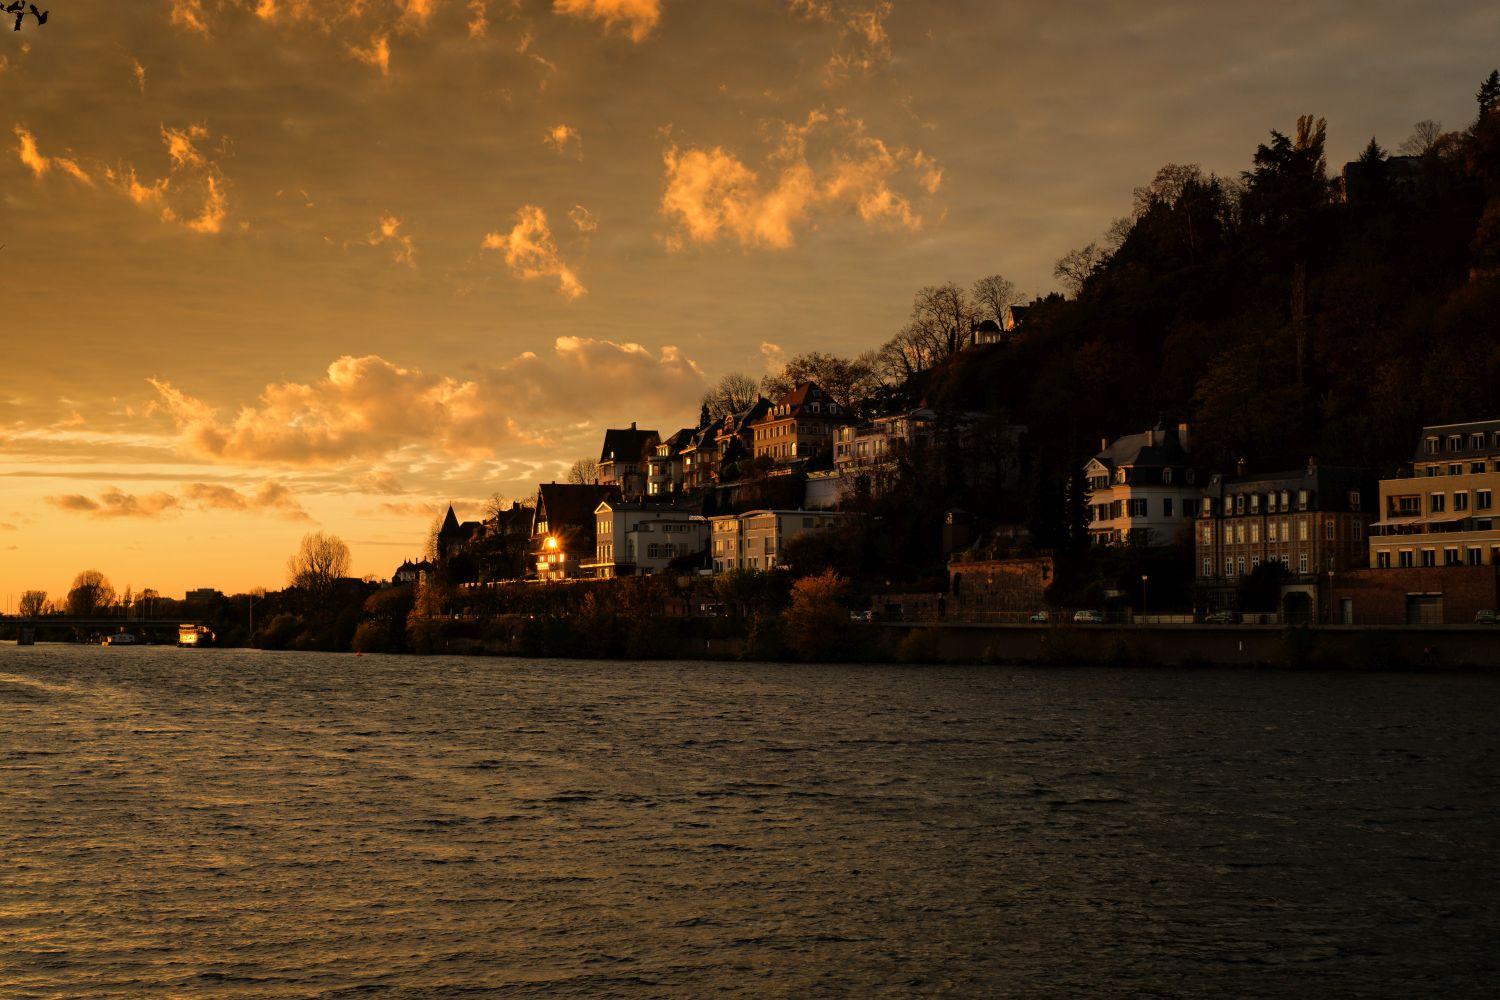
(248, 824)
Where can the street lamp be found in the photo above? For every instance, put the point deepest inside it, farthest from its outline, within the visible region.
(1144, 578)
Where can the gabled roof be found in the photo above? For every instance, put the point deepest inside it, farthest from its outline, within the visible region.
(626, 444)
(735, 424)
(797, 403)
(678, 441)
(568, 503)
(1158, 447)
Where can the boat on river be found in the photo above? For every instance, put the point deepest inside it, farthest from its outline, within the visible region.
(195, 635)
(120, 639)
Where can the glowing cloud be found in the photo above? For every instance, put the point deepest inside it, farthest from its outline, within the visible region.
(366, 408)
(269, 496)
(114, 502)
(563, 138)
(39, 164)
(139, 72)
(403, 249)
(863, 45)
(192, 177)
(827, 162)
(530, 252)
(189, 14)
(583, 219)
(637, 17)
(377, 55)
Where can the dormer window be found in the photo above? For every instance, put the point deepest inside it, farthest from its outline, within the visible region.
(1255, 503)
(1166, 476)
(1119, 475)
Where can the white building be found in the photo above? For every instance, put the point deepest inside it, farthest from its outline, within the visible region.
(1142, 488)
(638, 539)
(755, 540)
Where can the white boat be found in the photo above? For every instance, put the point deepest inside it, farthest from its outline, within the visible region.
(120, 639)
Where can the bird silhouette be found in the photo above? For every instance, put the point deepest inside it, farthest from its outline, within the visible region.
(40, 15)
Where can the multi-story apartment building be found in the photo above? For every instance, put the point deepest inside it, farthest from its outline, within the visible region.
(622, 460)
(562, 527)
(664, 469)
(1143, 488)
(638, 539)
(798, 425)
(1313, 522)
(1444, 513)
(871, 444)
(755, 540)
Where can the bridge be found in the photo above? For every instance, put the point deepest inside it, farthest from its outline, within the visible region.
(99, 624)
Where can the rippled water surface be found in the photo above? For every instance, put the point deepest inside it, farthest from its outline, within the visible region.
(243, 824)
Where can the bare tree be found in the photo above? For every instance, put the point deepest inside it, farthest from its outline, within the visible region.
(1166, 187)
(992, 295)
(1118, 232)
(1075, 267)
(847, 380)
(33, 603)
(944, 316)
(1424, 136)
(91, 591)
(318, 563)
(731, 394)
(583, 472)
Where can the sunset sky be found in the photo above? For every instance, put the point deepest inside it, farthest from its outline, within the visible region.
(278, 266)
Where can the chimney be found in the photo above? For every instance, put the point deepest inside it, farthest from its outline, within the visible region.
(632, 425)
(1241, 467)
(1182, 436)
(1151, 438)
(1104, 444)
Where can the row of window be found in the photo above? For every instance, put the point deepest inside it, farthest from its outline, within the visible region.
(1472, 441)
(1277, 531)
(1410, 504)
(1457, 468)
(1140, 507)
(1274, 502)
(1239, 566)
(1473, 555)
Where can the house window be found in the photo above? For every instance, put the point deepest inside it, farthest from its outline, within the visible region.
(1431, 445)
(1254, 563)
(1460, 501)
(1301, 499)
(1354, 499)
(1476, 556)
(1241, 565)
(1286, 562)
(1450, 556)
(1455, 442)
(1476, 441)
(1286, 498)
(1239, 534)
(1328, 530)
(1302, 530)
(1166, 507)
(1255, 503)
(1429, 557)
(1166, 477)
(1208, 567)
(1254, 531)
(1404, 559)
(1434, 470)
(1270, 531)
(1476, 467)
(1189, 476)
(1239, 503)
(1483, 499)
(1436, 502)
(1356, 530)
(1302, 564)
(1382, 560)
(1138, 508)
(1207, 533)
(1190, 508)
(1456, 469)
(1229, 567)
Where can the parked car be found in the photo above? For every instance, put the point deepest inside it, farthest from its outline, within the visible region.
(1088, 618)
(1487, 618)
(1041, 618)
(1221, 618)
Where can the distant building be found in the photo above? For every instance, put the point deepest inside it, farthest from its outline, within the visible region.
(1444, 513)
(203, 594)
(454, 537)
(1143, 488)
(756, 540)
(664, 473)
(563, 526)
(1312, 521)
(798, 425)
(638, 539)
(622, 460)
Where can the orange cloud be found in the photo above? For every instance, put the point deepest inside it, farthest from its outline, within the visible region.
(269, 496)
(637, 17)
(40, 165)
(377, 55)
(531, 253)
(564, 137)
(366, 408)
(863, 43)
(114, 502)
(189, 14)
(403, 249)
(828, 162)
(583, 220)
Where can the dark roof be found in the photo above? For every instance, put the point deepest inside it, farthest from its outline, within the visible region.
(678, 441)
(626, 444)
(1489, 428)
(570, 504)
(988, 326)
(1158, 447)
(1330, 485)
(799, 398)
(450, 523)
(735, 424)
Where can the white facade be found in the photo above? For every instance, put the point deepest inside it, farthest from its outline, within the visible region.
(638, 539)
(755, 540)
(1142, 488)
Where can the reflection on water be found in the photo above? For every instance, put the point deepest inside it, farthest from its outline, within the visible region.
(234, 823)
